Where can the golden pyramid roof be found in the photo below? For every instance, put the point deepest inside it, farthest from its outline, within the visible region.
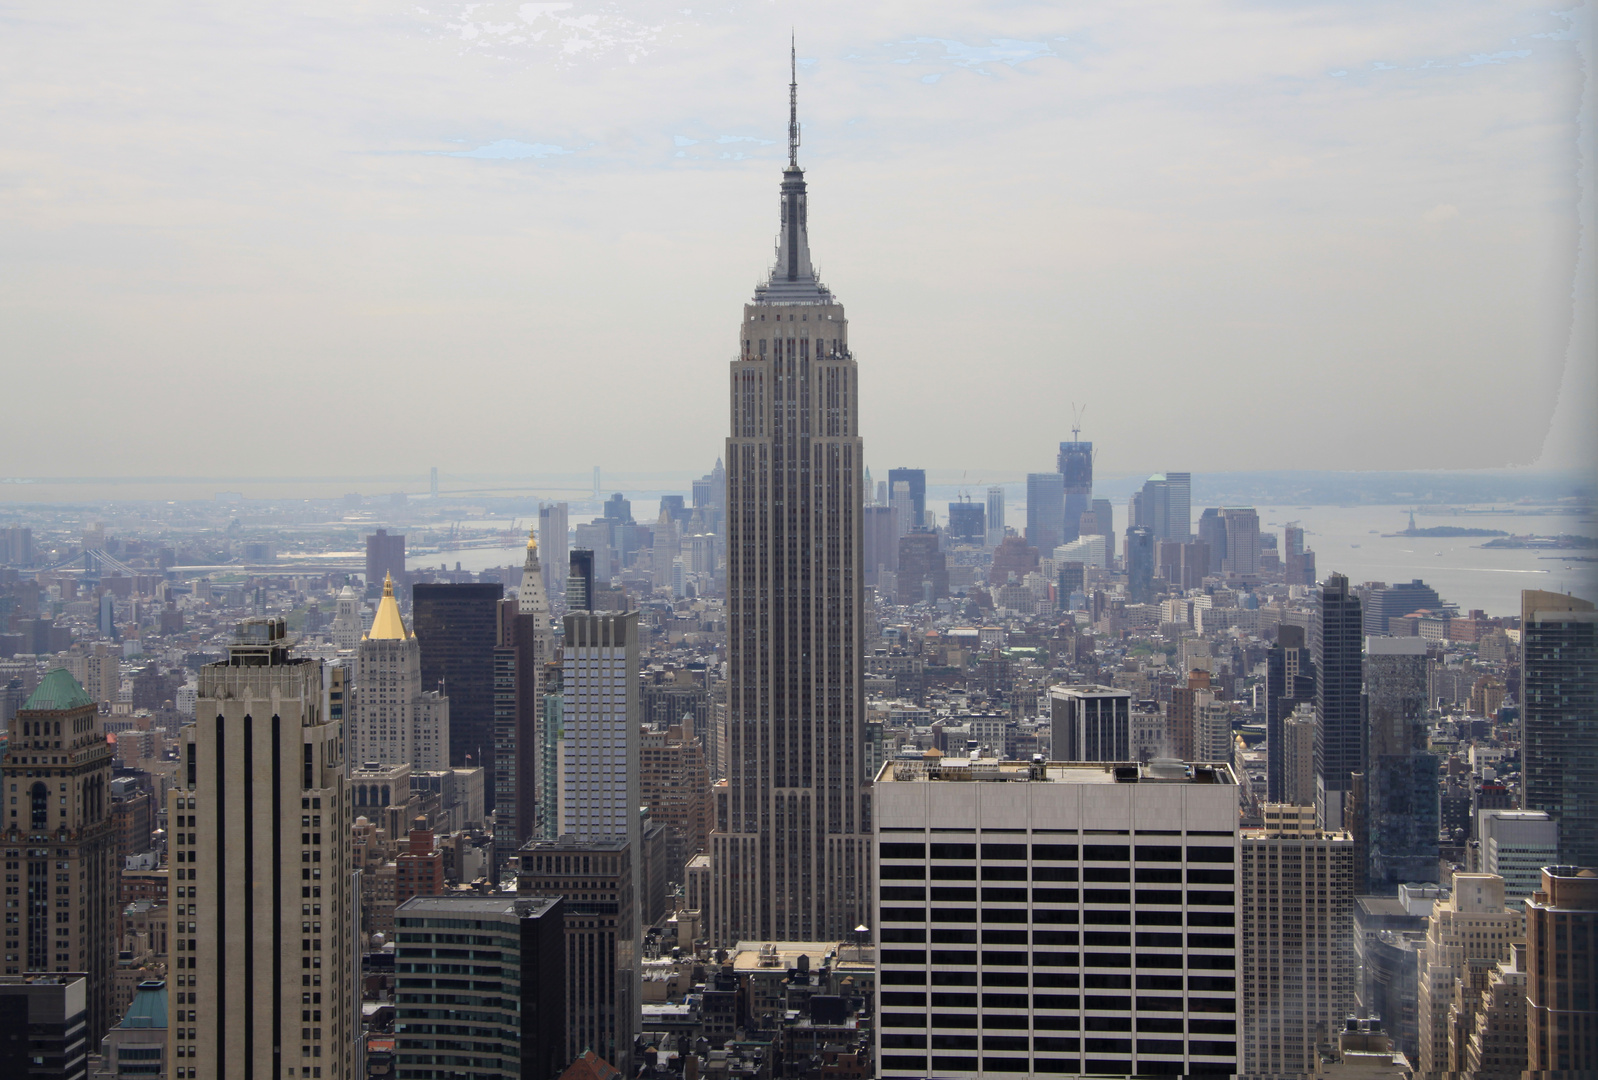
(387, 626)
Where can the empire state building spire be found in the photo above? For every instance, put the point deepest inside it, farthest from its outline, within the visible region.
(793, 279)
(791, 853)
(793, 105)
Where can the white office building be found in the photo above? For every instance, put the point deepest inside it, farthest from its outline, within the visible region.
(1087, 550)
(995, 516)
(1050, 918)
(1516, 845)
(600, 745)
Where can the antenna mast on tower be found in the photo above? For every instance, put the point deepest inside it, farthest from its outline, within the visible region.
(793, 103)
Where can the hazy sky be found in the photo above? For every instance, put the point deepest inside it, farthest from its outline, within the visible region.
(370, 237)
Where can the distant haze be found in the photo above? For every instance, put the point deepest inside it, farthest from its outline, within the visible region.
(299, 239)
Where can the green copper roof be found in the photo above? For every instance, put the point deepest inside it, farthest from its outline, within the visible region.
(148, 1009)
(58, 690)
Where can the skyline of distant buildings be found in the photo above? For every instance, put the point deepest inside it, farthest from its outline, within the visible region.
(790, 773)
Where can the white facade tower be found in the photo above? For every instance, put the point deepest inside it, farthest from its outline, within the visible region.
(395, 721)
(348, 619)
(532, 607)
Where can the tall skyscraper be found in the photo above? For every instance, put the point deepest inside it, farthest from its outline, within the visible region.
(675, 785)
(348, 619)
(1178, 506)
(61, 848)
(995, 515)
(666, 548)
(457, 626)
(1090, 723)
(1561, 972)
(1298, 562)
(599, 758)
(1297, 890)
(1212, 533)
(1337, 646)
(510, 740)
(1401, 812)
(1397, 601)
(580, 580)
(396, 721)
(1075, 466)
(905, 514)
(1045, 511)
(509, 1018)
(916, 481)
(599, 844)
(1298, 764)
(1469, 933)
(923, 573)
(263, 925)
(1559, 717)
(1104, 514)
(1289, 682)
(1516, 845)
(1092, 951)
(1072, 580)
(550, 737)
(1181, 727)
(525, 644)
(1140, 564)
(1242, 526)
(555, 539)
(16, 545)
(385, 558)
(1151, 507)
(598, 881)
(879, 544)
(790, 849)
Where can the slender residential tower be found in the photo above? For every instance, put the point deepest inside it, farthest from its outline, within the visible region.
(525, 643)
(790, 849)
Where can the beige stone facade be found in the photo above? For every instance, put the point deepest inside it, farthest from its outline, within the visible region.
(262, 924)
(60, 843)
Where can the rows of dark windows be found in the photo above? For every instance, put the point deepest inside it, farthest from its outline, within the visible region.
(1054, 1043)
(1145, 853)
(1057, 979)
(917, 1064)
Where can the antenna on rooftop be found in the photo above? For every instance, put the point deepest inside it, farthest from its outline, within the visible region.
(793, 102)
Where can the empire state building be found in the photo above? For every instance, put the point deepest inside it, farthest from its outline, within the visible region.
(790, 853)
